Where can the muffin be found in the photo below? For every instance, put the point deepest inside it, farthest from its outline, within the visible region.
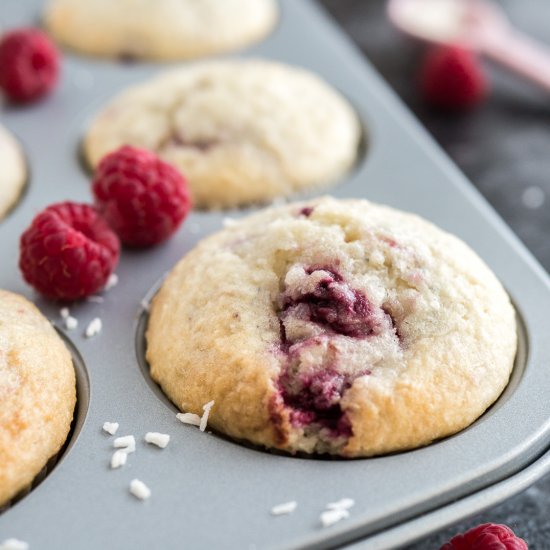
(13, 174)
(240, 131)
(333, 326)
(37, 392)
(159, 30)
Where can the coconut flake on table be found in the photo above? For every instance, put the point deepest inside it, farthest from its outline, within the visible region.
(112, 281)
(127, 443)
(71, 323)
(119, 458)
(342, 504)
(204, 419)
(96, 299)
(158, 439)
(283, 509)
(139, 489)
(189, 418)
(94, 328)
(330, 517)
(110, 427)
(14, 544)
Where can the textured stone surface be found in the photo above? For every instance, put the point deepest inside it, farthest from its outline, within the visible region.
(503, 147)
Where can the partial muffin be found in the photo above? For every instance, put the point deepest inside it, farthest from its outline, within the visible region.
(37, 393)
(338, 327)
(160, 29)
(13, 174)
(240, 131)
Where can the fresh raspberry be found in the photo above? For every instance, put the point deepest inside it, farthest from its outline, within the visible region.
(452, 78)
(68, 252)
(143, 198)
(488, 536)
(29, 64)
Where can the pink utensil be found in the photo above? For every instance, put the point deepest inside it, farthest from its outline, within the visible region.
(477, 24)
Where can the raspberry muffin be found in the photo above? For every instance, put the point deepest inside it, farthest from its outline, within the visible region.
(37, 393)
(338, 327)
(13, 174)
(240, 131)
(159, 29)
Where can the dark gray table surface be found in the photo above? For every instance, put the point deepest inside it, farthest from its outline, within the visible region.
(504, 148)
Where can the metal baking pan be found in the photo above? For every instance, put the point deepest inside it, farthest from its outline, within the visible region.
(208, 491)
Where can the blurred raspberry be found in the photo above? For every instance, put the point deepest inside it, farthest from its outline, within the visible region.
(68, 252)
(143, 198)
(452, 78)
(29, 64)
(488, 536)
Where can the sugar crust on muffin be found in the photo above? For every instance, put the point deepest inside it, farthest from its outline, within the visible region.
(333, 326)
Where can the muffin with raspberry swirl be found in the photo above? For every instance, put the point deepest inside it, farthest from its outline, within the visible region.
(333, 326)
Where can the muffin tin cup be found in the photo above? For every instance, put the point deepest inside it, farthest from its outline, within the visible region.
(79, 415)
(208, 490)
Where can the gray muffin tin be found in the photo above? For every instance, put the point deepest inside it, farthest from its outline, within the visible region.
(210, 492)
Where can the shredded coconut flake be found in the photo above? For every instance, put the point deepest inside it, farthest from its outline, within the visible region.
(119, 458)
(204, 419)
(158, 439)
(94, 328)
(96, 299)
(139, 489)
(14, 544)
(64, 312)
(342, 504)
(112, 281)
(110, 427)
(189, 418)
(127, 443)
(285, 508)
(330, 517)
(71, 322)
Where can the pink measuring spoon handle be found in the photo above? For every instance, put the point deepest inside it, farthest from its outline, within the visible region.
(521, 54)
